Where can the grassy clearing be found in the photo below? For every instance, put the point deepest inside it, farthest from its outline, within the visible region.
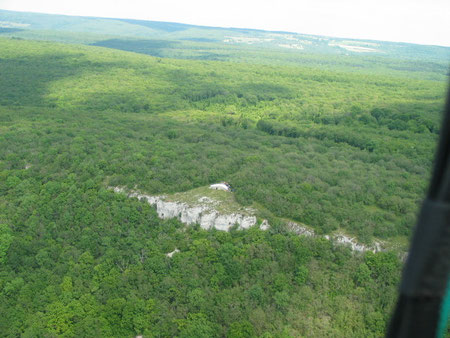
(222, 201)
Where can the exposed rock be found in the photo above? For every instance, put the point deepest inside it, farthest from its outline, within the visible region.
(205, 214)
(170, 254)
(264, 225)
(354, 245)
(300, 230)
(207, 220)
(336, 238)
(351, 242)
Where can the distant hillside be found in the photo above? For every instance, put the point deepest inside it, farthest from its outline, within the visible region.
(214, 43)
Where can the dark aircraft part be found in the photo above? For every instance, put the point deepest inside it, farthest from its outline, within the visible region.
(423, 306)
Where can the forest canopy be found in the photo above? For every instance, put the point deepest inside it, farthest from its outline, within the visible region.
(335, 150)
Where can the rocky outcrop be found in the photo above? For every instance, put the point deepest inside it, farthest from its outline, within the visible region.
(204, 213)
(170, 254)
(264, 225)
(355, 246)
(336, 238)
(300, 230)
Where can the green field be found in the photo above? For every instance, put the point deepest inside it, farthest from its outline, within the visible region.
(336, 142)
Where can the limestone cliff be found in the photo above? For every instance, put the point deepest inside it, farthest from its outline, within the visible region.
(203, 211)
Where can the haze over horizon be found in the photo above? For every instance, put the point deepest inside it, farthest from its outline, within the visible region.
(411, 21)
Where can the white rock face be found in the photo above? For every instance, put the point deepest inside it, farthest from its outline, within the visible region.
(355, 246)
(170, 254)
(248, 221)
(208, 217)
(337, 238)
(300, 230)
(264, 225)
(351, 242)
(204, 214)
(207, 220)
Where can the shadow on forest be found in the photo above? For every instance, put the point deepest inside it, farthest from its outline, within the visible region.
(164, 48)
(25, 80)
(202, 40)
(149, 47)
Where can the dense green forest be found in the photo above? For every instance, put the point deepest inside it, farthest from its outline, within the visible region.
(337, 150)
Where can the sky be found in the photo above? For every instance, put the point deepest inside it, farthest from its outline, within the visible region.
(415, 21)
